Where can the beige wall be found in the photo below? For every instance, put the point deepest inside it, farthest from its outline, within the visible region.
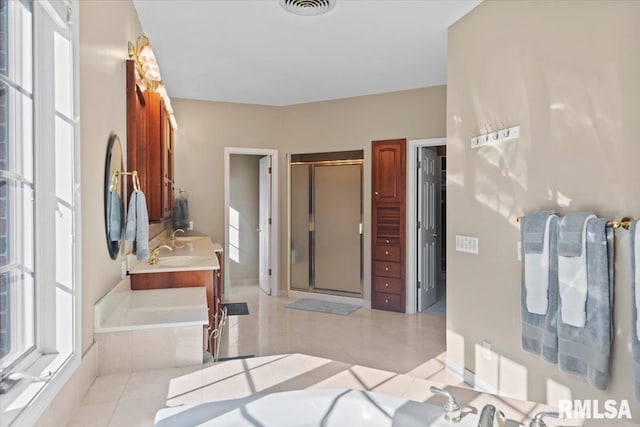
(244, 188)
(105, 29)
(568, 73)
(205, 128)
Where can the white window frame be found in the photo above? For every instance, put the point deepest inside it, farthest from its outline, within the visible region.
(45, 361)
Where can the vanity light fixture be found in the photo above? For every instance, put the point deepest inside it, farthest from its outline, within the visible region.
(148, 72)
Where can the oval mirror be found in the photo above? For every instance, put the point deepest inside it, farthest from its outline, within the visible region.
(113, 206)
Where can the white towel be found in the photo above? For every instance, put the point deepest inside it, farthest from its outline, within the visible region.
(536, 272)
(572, 284)
(637, 279)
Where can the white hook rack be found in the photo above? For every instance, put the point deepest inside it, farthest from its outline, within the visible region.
(500, 135)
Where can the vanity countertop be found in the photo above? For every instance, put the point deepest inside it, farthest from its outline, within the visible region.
(196, 253)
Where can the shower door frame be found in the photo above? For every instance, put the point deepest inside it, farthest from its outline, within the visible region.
(312, 289)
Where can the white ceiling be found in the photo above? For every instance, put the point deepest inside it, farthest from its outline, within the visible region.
(253, 51)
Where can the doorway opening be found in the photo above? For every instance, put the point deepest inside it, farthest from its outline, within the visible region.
(426, 216)
(326, 234)
(251, 219)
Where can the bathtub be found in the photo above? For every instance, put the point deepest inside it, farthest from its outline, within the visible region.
(312, 408)
(151, 329)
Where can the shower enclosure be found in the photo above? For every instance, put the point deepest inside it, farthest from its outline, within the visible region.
(326, 223)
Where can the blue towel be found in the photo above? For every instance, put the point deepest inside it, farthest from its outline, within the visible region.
(181, 213)
(585, 351)
(570, 234)
(635, 290)
(572, 268)
(539, 331)
(114, 216)
(138, 225)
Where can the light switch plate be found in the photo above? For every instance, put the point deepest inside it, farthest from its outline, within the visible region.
(467, 244)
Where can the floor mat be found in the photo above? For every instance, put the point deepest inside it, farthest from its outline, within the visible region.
(236, 308)
(323, 306)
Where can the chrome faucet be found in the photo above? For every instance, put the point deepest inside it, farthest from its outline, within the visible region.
(173, 235)
(491, 417)
(538, 419)
(153, 259)
(452, 410)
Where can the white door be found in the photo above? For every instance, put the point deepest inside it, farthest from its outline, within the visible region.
(264, 229)
(428, 264)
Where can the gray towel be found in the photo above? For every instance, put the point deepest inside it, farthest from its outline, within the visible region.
(585, 351)
(114, 216)
(138, 225)
(570, 234)
(539, 332)
(181, 213)
(532, 229)
(635, 342)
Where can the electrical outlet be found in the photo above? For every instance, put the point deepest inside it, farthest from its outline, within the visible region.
(123, 268)
(467, 244)
(190, 225)
(519, 254)
(486, 350)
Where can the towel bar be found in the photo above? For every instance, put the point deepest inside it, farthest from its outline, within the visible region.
(134, 176)
(623, 223)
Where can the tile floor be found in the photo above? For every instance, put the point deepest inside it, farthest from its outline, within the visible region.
(406, 340)
(340, 352)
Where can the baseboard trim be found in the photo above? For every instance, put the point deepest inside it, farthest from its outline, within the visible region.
(470, 378)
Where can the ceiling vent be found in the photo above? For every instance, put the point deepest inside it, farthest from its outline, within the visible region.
(308, 7)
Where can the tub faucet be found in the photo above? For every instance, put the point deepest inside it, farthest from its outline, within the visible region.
(452, 410)
(538, 419)
(153, 259)
(491, 417)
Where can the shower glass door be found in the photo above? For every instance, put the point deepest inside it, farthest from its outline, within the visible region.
(326, 226)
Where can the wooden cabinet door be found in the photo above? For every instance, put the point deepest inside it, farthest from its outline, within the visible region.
(388, 171)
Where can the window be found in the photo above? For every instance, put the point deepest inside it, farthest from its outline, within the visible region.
(39, 273)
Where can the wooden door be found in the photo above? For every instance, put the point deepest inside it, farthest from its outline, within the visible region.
(388, 172)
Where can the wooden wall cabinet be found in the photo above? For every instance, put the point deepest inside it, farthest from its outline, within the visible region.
(150, 145)
(388, 247)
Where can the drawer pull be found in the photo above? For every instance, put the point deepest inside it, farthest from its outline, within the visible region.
(386, 301)
(386, 269)
(387, 240)
(386, 252)
(386, 285)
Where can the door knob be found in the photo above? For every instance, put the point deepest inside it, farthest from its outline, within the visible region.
(386, 252)
(386, 269)
(386, 285)
(386, 301)
(376, 193)
(435, 234)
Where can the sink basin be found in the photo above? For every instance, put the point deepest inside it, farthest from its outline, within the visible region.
(181, 261)
(187, 239)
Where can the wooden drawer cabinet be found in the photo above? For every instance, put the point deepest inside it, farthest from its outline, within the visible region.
(387, 269)
(388, 171)
(388, 285)
(388, 253)
(387, 240)
(386, 301)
